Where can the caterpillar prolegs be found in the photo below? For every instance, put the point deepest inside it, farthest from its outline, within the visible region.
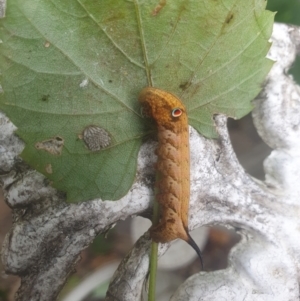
(172, 166)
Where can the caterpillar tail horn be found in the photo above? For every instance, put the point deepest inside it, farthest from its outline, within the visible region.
(192, 243)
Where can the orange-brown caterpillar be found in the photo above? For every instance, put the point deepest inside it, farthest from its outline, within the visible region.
(173, 165)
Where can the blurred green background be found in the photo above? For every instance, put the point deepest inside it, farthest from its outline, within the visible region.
(288, 11)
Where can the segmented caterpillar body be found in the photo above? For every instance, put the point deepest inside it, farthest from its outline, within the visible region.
(173, 165)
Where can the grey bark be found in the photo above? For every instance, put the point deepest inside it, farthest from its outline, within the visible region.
(48, 235)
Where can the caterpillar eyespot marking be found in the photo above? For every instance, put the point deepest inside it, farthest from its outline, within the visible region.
(173, 142)
(176, 112)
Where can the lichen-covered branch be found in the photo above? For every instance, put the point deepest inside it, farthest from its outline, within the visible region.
(48, 235)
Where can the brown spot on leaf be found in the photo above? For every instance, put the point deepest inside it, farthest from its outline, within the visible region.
(53, 146)
(45, 97)
(229, 17)
(48, 169)
(47, 44)
(95, 138)
(114, 16)
(184, 86)
(159, 7)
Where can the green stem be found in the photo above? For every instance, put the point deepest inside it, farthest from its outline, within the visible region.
(153, 269)
(153, 257)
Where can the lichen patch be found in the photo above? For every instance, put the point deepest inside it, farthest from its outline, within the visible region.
(95, 138)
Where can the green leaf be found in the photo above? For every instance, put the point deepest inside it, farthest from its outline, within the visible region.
(73, 70)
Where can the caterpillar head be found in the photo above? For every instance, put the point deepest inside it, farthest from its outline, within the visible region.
(162, 106)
